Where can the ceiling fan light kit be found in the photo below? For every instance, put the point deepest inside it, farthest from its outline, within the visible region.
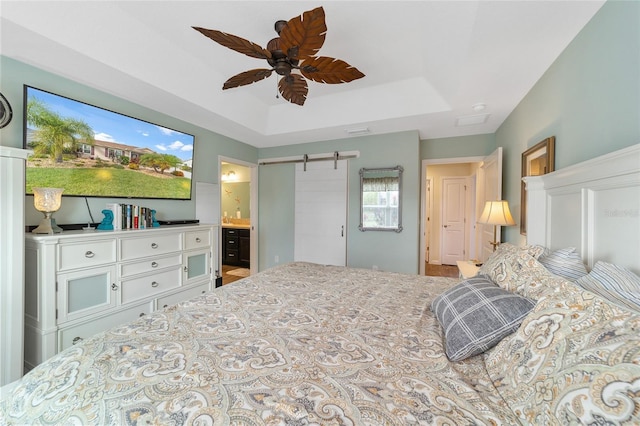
(295, 49)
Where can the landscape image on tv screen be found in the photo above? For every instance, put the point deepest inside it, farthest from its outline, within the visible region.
(94, 152)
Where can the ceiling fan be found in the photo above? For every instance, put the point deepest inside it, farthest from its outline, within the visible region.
(298, 41)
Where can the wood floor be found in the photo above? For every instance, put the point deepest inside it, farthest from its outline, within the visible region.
(441, 270)
(226, 278)
(431, 270)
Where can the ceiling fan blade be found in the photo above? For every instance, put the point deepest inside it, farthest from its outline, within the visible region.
(323, 69)
(235, 43)
(293, 87)
(304, 35)
(246, 77)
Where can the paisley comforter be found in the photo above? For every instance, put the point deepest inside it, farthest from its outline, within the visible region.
(304, 344)
(298, 344)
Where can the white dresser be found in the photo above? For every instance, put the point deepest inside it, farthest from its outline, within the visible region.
(80, 283)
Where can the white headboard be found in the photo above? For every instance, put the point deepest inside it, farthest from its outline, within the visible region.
(593, 206)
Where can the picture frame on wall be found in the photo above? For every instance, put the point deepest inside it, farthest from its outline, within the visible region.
(537, 160)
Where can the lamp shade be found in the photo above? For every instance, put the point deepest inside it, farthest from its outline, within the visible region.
(47, 199)
(496, 213)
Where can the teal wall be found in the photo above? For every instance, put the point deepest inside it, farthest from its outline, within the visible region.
(388, 250)
(462, 146)
(589, 99)
(208, 144)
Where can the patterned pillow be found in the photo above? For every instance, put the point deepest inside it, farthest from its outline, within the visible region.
(476, 314)
(506, 264)
(565, 262)
(614, 283)
(573, 360)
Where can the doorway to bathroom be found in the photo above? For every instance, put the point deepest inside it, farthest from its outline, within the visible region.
(238, 219)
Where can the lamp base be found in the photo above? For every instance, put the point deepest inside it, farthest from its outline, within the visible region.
(495, 243)
(47, 226)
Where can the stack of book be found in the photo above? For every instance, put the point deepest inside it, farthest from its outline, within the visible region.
(129, 216)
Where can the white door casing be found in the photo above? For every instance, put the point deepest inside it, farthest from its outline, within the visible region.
(453, 219)
(470, 233)
(495, 160)
(320, 229)
(427, 218)
(253, 209)
(491, 171)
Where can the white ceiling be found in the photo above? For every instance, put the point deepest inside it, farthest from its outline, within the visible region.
(426, 63)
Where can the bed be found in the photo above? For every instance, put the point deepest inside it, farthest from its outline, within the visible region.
(303, 344)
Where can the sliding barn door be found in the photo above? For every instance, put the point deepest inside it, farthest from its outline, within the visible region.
(321, 213)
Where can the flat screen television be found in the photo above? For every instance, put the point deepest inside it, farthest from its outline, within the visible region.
(93, 152)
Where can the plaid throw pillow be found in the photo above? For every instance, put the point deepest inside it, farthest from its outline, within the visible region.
(476, 314)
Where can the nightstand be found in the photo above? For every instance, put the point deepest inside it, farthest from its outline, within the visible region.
(467, 269)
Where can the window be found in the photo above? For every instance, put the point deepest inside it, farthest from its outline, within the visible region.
(380, 199)
(84, 148)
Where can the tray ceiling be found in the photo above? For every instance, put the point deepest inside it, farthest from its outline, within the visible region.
(427, 63)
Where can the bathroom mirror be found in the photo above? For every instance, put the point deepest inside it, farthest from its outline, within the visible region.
(381, 199)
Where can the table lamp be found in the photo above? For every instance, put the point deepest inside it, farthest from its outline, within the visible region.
(47, 201)
(496, 213)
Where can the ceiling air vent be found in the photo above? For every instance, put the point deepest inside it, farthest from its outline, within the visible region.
(472, 120)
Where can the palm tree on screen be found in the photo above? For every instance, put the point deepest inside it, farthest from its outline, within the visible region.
(55, 134)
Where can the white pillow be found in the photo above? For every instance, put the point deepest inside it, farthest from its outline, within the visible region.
(614, 283)
(565, 262)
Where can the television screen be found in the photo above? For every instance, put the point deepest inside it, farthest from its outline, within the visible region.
(94, 152)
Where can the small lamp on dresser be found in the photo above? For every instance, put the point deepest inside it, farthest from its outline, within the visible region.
(47, 201)
(496, 213)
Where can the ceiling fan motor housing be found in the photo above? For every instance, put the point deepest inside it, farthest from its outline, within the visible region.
(281, 64)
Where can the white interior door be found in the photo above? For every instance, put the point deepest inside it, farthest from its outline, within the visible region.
(491, 171)
(453, 219)
(321, 213)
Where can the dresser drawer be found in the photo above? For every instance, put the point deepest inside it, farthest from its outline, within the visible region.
(150, 285)
(149, 265)
(153, 245)
(197, 239)
(68, 336)
(165, 302)
(85, 254)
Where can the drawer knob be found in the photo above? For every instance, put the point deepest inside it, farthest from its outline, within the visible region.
(154, 284)
(154, 245)
(89, 254)
(198, 239)
(165, 306)
(154, 264)
(114, 287)
(141, 314)
(76, 340)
